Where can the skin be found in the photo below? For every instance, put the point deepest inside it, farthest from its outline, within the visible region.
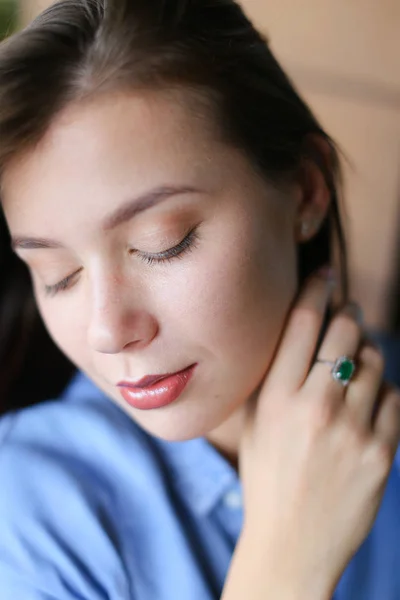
(222, 305)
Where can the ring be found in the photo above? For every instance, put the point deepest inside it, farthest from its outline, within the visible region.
(343, 369)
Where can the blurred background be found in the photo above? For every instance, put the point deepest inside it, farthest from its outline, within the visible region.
(8, 17)
(344, 57)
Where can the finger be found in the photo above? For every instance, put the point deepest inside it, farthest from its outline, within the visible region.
(300, 337)
(363, 391)
(387, 420)
(342, 338)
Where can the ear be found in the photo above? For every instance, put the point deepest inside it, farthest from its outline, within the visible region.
(314, 195)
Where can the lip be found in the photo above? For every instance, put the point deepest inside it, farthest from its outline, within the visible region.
(156, 391)
(144, 381)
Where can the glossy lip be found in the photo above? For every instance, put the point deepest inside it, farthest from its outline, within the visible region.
(148, 380)
(160, 393)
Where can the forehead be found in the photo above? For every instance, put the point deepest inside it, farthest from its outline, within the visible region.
(112, 143)
(113, 127)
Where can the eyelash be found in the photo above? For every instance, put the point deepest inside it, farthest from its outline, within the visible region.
(178, 251)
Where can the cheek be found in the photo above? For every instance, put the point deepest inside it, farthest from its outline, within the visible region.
(244, 308)
(234, 299)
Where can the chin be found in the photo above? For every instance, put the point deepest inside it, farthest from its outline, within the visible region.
(191, 416)
(173, 431)
(180, 423)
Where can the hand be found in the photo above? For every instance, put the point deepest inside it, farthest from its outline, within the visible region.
(315, 455)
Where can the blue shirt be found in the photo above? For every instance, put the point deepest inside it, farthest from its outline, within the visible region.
(94, 508)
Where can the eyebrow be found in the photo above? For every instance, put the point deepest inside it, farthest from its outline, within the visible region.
(122, 214)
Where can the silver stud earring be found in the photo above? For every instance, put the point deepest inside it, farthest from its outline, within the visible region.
(308, 227)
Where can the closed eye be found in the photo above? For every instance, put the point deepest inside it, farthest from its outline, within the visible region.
(188, 243)
(178, 251)
(52, 290)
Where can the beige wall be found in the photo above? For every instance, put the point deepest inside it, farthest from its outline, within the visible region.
(345, 58)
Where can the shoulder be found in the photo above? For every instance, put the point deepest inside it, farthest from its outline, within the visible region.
(64, 466)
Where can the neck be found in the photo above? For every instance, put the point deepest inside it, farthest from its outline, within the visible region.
(226, 437)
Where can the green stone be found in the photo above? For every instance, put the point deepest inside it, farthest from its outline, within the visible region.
(344, 370)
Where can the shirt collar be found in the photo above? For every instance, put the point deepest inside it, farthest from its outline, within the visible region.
(202, 476)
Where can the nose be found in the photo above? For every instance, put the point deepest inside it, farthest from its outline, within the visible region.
(118, 320)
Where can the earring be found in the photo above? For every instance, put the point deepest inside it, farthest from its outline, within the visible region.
(305, 228)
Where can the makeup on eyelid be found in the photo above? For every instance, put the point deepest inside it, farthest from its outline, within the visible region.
(188, 243)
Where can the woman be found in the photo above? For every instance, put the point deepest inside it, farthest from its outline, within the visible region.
(175, 202)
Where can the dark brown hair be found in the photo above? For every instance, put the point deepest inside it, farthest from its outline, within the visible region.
(79, 48)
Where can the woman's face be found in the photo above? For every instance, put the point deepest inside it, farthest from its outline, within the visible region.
(221, 303)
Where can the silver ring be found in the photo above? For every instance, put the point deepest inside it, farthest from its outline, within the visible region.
(343, 369)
